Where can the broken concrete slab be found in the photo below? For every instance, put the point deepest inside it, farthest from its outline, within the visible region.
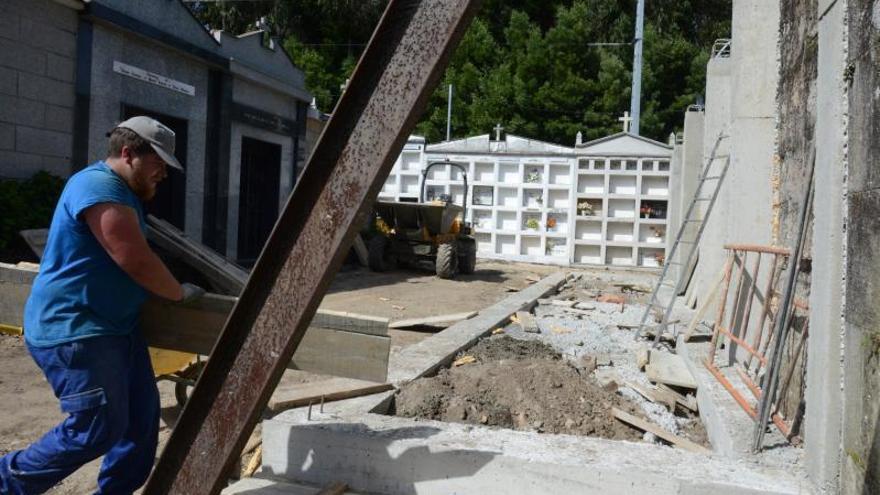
(669, 369)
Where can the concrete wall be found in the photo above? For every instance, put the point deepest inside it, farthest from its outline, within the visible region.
(37, 61)
(861, 336)
(111, 90)
(716, 123)
(822, 428)
(753, 112)
(686, 170)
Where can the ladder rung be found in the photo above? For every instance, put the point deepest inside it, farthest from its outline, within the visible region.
(686, 242)
(692, 220)
(702, 199)
(711, 177)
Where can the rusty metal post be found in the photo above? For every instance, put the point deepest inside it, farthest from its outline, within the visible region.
(389, 90)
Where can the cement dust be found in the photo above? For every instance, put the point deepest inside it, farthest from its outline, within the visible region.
(523, 385)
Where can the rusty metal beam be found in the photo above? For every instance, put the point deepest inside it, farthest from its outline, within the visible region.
(388, 92)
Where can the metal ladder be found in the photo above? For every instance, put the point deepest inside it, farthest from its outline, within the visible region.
(689, 219)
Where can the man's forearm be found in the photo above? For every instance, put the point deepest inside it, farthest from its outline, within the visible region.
(154, 276)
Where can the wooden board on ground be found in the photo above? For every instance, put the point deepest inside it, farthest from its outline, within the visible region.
(643, 425)
(655, 396)
(339, 353)
(669, 369)
(290, 395)
(687, 402)
(440, 321)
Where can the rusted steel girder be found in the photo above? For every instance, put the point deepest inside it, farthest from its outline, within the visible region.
(389, 90)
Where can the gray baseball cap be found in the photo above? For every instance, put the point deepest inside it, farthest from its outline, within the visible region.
(160, 137)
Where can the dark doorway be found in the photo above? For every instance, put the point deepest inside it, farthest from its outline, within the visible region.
(258, 200)
(169, 203)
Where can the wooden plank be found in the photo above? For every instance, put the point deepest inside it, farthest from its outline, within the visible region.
(687, 402)
(291, 395)
(351, 322)
(669, 369)
(655, 396)
(704, 306)
(433, 321)
(339, 353)
(643, 425)
(225, 275)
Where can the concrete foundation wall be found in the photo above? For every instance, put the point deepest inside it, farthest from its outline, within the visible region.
(37, 62)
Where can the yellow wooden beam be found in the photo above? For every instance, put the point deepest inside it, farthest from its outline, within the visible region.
(11, 330)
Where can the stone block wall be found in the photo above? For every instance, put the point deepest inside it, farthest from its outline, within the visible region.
(37, 63)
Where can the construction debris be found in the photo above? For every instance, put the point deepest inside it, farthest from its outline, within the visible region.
(670, 370)
(527, 322)
(643, 425)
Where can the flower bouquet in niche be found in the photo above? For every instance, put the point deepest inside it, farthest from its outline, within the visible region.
(584, 208)
(532, 224)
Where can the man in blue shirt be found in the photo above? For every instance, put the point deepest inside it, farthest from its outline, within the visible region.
(80, 322)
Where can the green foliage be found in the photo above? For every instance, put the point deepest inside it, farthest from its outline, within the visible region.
(27, 204)
(527, 64)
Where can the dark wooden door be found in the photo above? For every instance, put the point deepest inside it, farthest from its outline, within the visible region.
(258, 197)
(170, 201)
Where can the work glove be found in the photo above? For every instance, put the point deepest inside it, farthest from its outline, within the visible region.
(191, 292)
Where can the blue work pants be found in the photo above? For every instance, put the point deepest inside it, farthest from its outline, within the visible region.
(106, 387)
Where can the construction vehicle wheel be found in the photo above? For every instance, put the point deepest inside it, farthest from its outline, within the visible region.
(467, 256)
(447, 260)
(376, 253)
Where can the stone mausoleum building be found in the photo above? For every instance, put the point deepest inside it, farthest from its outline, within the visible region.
(613, 201)
(70, 70)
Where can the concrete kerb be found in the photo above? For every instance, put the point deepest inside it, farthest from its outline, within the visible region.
(390, 455)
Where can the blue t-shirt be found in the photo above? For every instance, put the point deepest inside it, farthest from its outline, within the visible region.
(80, 291)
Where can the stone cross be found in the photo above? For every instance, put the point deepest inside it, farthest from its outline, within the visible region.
(627, 121)
(498, 130)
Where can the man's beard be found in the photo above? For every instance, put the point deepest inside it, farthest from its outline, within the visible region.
(143, 189)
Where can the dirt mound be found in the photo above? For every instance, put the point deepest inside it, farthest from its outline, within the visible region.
(504, 347)
(519, 385)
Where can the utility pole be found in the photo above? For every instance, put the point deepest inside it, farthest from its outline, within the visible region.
(449, 116)
(635, 104)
